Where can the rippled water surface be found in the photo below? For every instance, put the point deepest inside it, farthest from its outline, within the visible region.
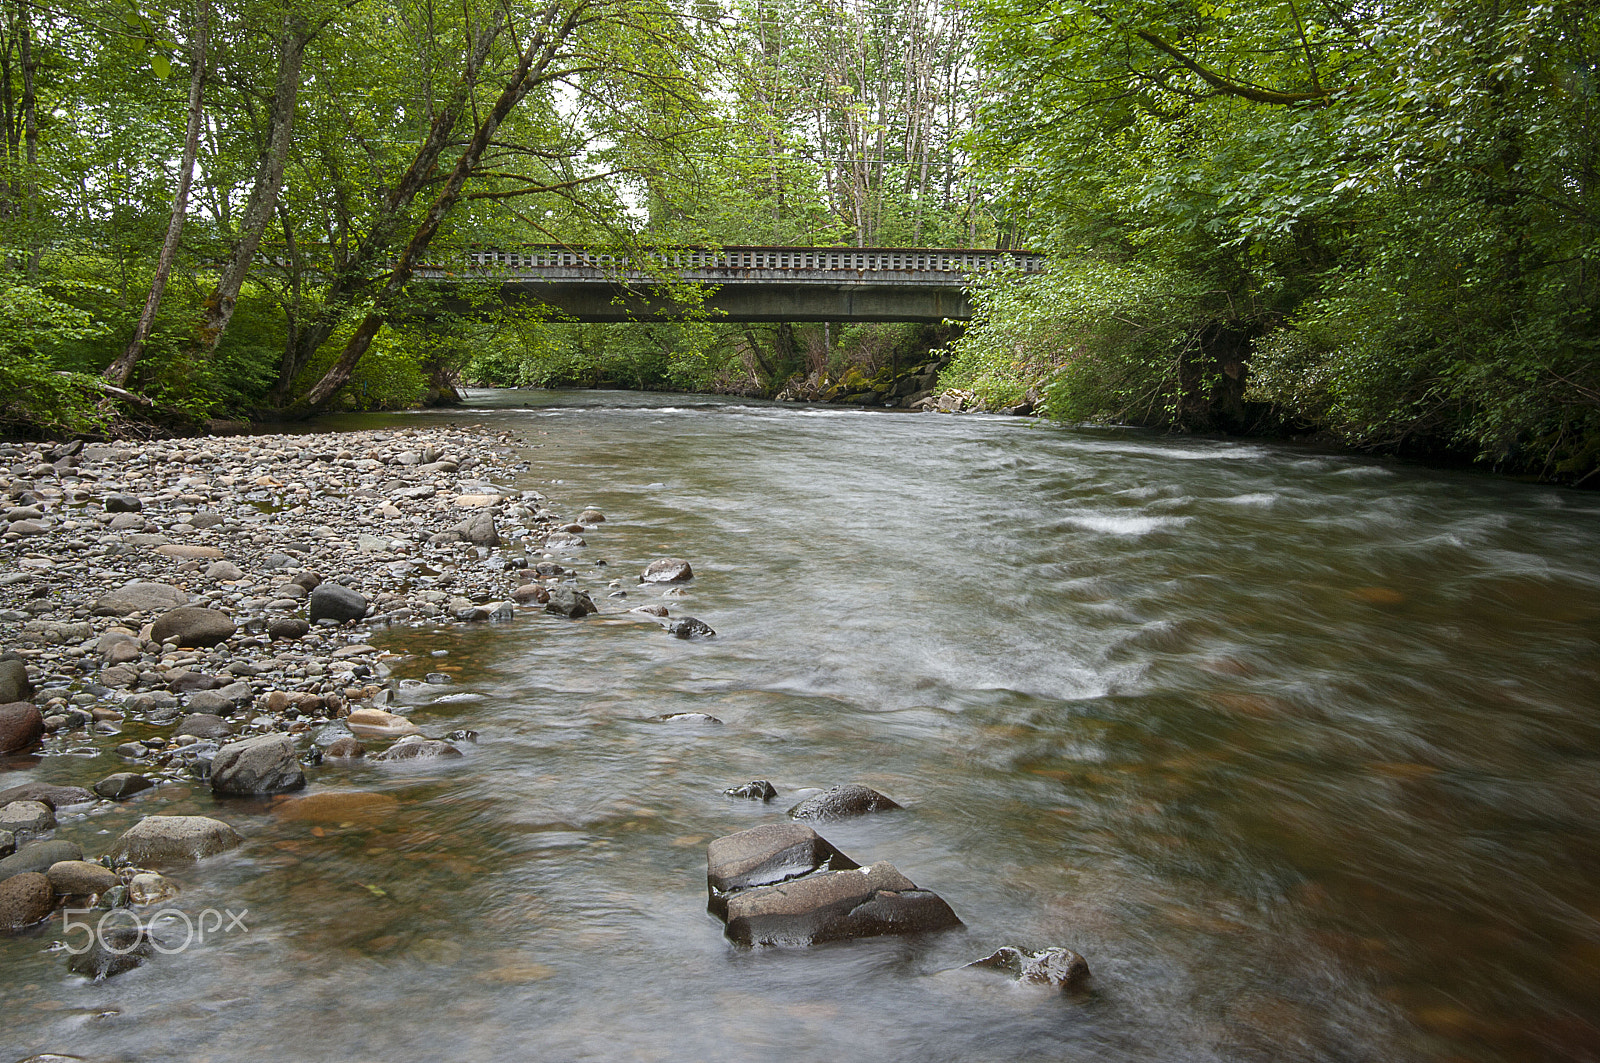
(1301, 752)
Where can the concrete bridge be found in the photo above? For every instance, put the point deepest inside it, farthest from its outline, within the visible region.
(747, 283)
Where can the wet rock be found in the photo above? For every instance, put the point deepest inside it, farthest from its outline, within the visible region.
(840, 802)
(27, 818)
(569, 602)
(548, 568)
(376, 723)
(8, 843)
(25, 899)
(150, 888)
(14, 682)
(836, 906)
(290, 627)
(203, 725)
(347, 748)
(591, 516)
(530, 593)
(650, 610)
(754, 790)
(266, 764)
(666, 570)
(764, 855)
(140, 596)
(359, 807)
(1058, 967)
(462, 734)
(38, 856)
(122, 504)
(54, 796)
(335, 602)
(115, 950)
(80, 878)
(690, 717)
(191, 626)
(21, 726)
(122, 785)
(564, 541)
(417, 748)
(687, 627)
(158, 841)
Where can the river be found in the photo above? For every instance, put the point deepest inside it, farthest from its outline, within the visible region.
(1300, 751)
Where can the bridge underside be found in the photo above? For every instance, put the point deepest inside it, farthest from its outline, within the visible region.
(768, 301)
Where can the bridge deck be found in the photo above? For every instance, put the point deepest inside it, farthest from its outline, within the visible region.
(750, 283)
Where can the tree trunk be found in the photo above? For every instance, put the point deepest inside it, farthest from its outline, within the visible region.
(218, 308)
(537, 55)
(119, 371)
(351, 281)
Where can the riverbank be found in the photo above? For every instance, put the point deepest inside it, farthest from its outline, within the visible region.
(228, 586)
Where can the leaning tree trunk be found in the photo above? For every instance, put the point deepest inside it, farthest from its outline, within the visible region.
(351, 282)
(119, 371)
(217, 310)
(536, 58)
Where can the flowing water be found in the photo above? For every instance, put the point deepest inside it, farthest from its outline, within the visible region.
(1301, 752)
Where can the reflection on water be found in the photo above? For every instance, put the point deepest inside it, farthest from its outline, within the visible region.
(1301, 752)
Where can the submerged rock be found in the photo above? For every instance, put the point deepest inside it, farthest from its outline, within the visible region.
(1058, 967)
(841, 802)
(115, 949)
(416, 748)
(690, 717)
(54, 796)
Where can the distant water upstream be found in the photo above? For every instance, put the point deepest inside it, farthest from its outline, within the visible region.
(1302, 753)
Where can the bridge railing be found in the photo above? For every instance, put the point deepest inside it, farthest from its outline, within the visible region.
(738, 259)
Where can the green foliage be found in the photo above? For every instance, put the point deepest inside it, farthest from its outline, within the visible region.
(1387, 219)
(35, 395)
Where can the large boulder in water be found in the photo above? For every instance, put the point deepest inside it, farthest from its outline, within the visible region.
(840, 802)
(764, 855)
(157, 841)
(836, 906)
(266, 764)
